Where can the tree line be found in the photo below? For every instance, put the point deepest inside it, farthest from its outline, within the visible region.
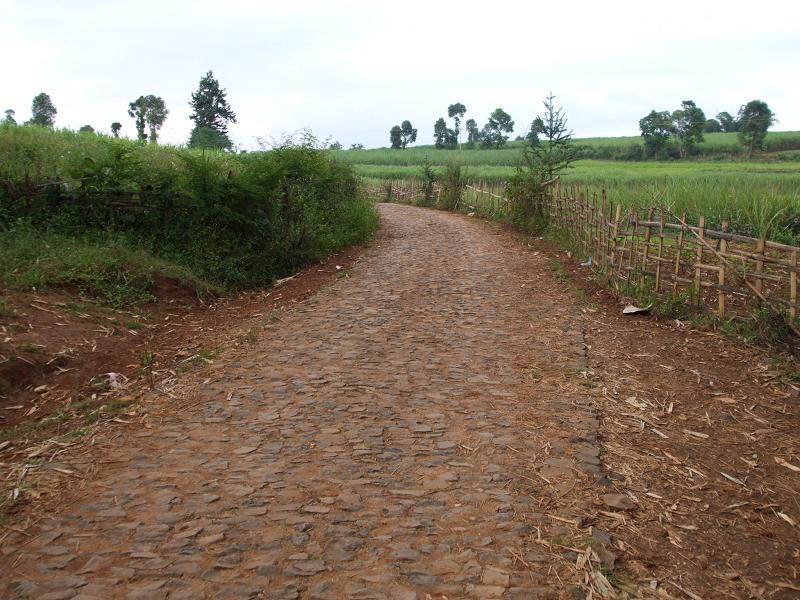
(683, 128)
(211, 114)
(674, 133)
(492, 135)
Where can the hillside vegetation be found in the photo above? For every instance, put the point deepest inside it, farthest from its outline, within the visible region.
(758, 197)
(103, 214)
(780, 145)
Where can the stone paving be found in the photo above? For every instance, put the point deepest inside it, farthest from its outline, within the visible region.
(403, 434)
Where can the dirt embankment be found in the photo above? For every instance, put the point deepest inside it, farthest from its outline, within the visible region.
(62, 356)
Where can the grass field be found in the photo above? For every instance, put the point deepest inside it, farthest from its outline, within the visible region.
(717, 146)
(755, 196)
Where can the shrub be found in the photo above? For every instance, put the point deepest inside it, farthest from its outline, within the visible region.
(235, 220)
(528, 199)
(429, 178)
(452, 187)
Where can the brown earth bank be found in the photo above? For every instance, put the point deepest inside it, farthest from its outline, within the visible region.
(466, 416)
(58, 349)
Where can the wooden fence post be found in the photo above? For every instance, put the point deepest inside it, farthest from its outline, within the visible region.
(603, 230)
(614, 235)
(660, 249)
(723, 248)
(634, 252)
(793, 287)
(678, 257)
(698, 289)
(594, 229)
(646, 249)
(760, 263)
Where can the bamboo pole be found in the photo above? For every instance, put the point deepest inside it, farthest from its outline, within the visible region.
(634, 245)
(660, 250)
(698, 272)
(723, 246)
(793, 288)
(615, 234)
(605, 223)
(594, 228)
(678, 258)
(646, 244)
(759, 262)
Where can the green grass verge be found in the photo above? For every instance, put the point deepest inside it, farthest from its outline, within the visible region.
(235, 220)
(757, 198)
(107, 269)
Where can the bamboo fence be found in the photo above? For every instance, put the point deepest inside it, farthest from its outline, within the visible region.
(717, 270)
(481, 197)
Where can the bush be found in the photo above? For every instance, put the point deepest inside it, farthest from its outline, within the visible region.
(452, 187)
(429, 178)
(236, 220)
(528, 201)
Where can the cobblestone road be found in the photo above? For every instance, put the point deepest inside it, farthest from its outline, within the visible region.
(403, 434)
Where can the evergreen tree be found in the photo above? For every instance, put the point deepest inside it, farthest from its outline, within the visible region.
(499, 123)
(396, 137)
(150, 111)
(205, 137)
(138, 110)
(116, 126)
(43, 111)
(727, 122)
(537, 127)
(440, 133)
(473, 133)
(456, 112)
(657, 129)
(408, 133)
(542, 161)
(443, 136)
(689, 123)
(754, 119)
(155, 114)
(211, 114)
(555, 152)
(712, 126)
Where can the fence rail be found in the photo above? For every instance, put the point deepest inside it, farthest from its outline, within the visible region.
(717, 270)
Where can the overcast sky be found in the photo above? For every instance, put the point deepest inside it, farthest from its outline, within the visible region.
(352, 69)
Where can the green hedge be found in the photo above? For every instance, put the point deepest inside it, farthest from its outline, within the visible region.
(236, 220)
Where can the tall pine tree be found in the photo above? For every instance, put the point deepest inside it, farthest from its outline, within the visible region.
(43, 111)
(211, 114)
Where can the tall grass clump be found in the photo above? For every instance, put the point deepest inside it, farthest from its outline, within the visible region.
(429, 178)
(452, 187)
(236, 221)
(528, 201)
